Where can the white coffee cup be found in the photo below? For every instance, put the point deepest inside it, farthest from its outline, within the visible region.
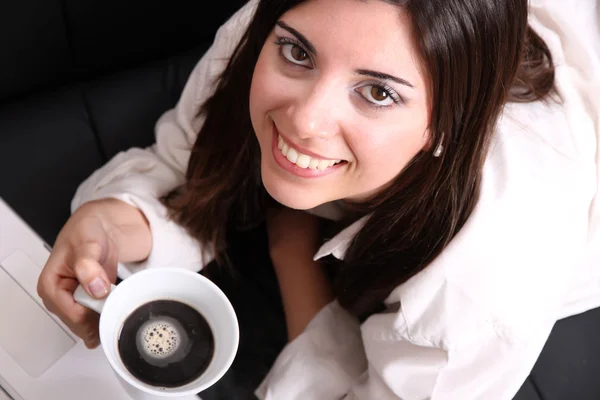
(177, 284)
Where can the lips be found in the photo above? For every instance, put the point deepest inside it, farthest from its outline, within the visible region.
(303, 160)
(300, 164)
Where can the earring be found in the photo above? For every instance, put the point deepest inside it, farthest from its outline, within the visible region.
(440, 147)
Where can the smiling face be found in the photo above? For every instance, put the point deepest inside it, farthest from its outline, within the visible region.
(338, 101)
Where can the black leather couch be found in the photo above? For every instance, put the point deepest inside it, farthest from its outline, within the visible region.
(81, 80)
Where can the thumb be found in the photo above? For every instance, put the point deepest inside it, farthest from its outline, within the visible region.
(89, 272)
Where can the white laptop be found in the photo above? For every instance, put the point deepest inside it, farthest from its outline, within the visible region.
(40, 359)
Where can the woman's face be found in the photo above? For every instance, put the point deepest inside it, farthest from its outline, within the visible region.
(338, 101)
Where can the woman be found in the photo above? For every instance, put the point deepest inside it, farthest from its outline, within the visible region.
(383, 118)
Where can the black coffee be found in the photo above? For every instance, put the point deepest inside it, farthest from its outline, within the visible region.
(166, 343)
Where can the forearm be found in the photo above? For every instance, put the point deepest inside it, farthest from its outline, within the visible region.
(305, 290)
(126, 225)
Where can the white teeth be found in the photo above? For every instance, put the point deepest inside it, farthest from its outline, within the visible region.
(303, 160)
(292, 155)
(323, 165)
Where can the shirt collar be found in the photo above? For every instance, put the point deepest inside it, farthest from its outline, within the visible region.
(339, 244)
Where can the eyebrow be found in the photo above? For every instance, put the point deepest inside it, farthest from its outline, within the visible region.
(366, 72)
(309, 46)
(381, 75)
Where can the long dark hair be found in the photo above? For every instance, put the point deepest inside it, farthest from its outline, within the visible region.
(479, 54)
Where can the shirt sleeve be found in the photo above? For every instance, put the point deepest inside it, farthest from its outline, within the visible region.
(335, 359)
(140, 177)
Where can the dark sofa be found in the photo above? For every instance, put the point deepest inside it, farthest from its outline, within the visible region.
(81, 80)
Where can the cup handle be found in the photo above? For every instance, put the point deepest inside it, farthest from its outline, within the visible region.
(81, 296)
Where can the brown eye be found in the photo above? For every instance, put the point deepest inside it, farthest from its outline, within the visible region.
(294, 53)
(379, 94)
(298, 54)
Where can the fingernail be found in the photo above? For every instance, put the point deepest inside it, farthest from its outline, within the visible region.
(98, 288)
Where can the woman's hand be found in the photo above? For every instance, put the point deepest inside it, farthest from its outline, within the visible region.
(86, 251)
(293, 242)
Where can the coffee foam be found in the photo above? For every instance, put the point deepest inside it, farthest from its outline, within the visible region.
(162, 341)
(159, 338)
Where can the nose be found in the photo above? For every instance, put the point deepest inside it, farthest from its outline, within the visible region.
(314, 113)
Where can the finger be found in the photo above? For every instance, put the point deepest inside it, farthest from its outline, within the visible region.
(80, 320)
(50, 275)
(54, 279)
(92, 344)
(69, 310)
(91, 333)
(88, 270)
(87, 331)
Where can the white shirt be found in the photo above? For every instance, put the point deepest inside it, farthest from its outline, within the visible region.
(472, 324)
